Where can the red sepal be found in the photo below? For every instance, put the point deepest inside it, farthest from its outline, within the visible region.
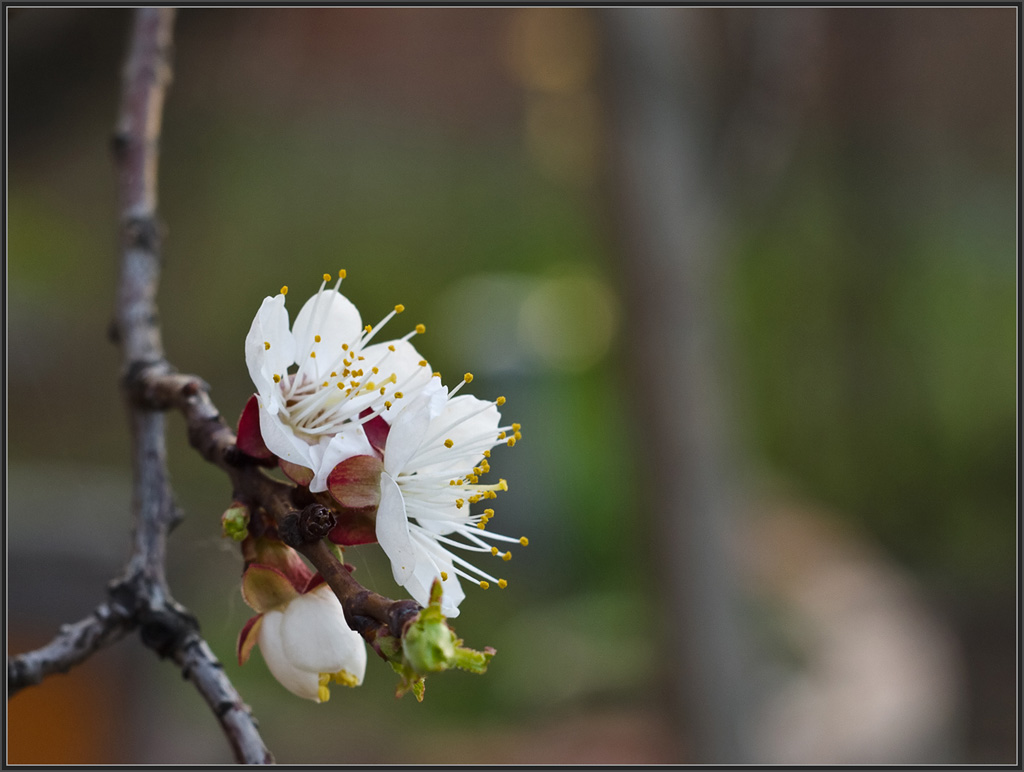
(250, 439)
(247, 638)
(355, 482)
(299, 475)
(355, 526)
(376, 430)
(314, 581)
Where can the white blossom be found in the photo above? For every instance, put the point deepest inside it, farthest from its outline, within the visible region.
(313, 416)
(437, 450)
(307, 644)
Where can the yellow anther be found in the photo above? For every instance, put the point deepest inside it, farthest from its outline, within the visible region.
(490, 495)
(323, 693)
(316, 338)
(382, 390)
(487, 454)
(391, 347)
(375, 370)
(334, 374)
(482, 525)
(494, 550)
(489, 513)
(472, 478)
(499, 401)
(502, 583)
(524, 541)
(326, 384)
(327, 277)
(368, 328)
(266, 345)
(423, 363)
(341, 384)
(345, 678)
(342, 273)
(474, 499)
(516, 427)
(387, 405)
(421, 328)
(344, 347)
(399, 395)
(312, 354)
(448, 443)
(399, 308)
(444, 576)
(501, 435)
(436, 374)
(284, 290)
(468, 377)
(518, 435)
(459, 503)
(323, 679)
(277, 378)
(507, 556)
(484, 585)
(511, 441)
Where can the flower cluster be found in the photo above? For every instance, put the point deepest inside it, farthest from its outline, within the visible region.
(372, 431)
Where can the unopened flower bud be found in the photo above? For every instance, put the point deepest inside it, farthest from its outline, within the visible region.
(429, 645)
(235, 521)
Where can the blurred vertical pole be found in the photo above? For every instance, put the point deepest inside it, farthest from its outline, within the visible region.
(666, 212)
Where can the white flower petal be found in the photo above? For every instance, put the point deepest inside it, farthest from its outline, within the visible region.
(302, 683)
(435, 561)
(269, 326)
(410, 427)
(335, 319)
(466, 421)
(404, 362)
(316, 637)
(393, 530)
(281, 440)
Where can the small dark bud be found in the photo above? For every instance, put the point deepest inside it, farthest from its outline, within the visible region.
(311, 524)
(315, 522)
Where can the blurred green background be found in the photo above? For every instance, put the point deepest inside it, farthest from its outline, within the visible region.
(457, 161)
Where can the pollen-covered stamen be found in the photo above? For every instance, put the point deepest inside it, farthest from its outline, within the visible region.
(369, 331)
(419, 329)
(471, 572)
(467, 378)
(320, 307)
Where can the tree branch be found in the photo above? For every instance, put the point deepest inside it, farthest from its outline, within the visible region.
(371, 614)
(140, 597)
(150, 385)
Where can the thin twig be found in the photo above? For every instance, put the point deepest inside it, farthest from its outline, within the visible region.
(74, 644)
(140, 597)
